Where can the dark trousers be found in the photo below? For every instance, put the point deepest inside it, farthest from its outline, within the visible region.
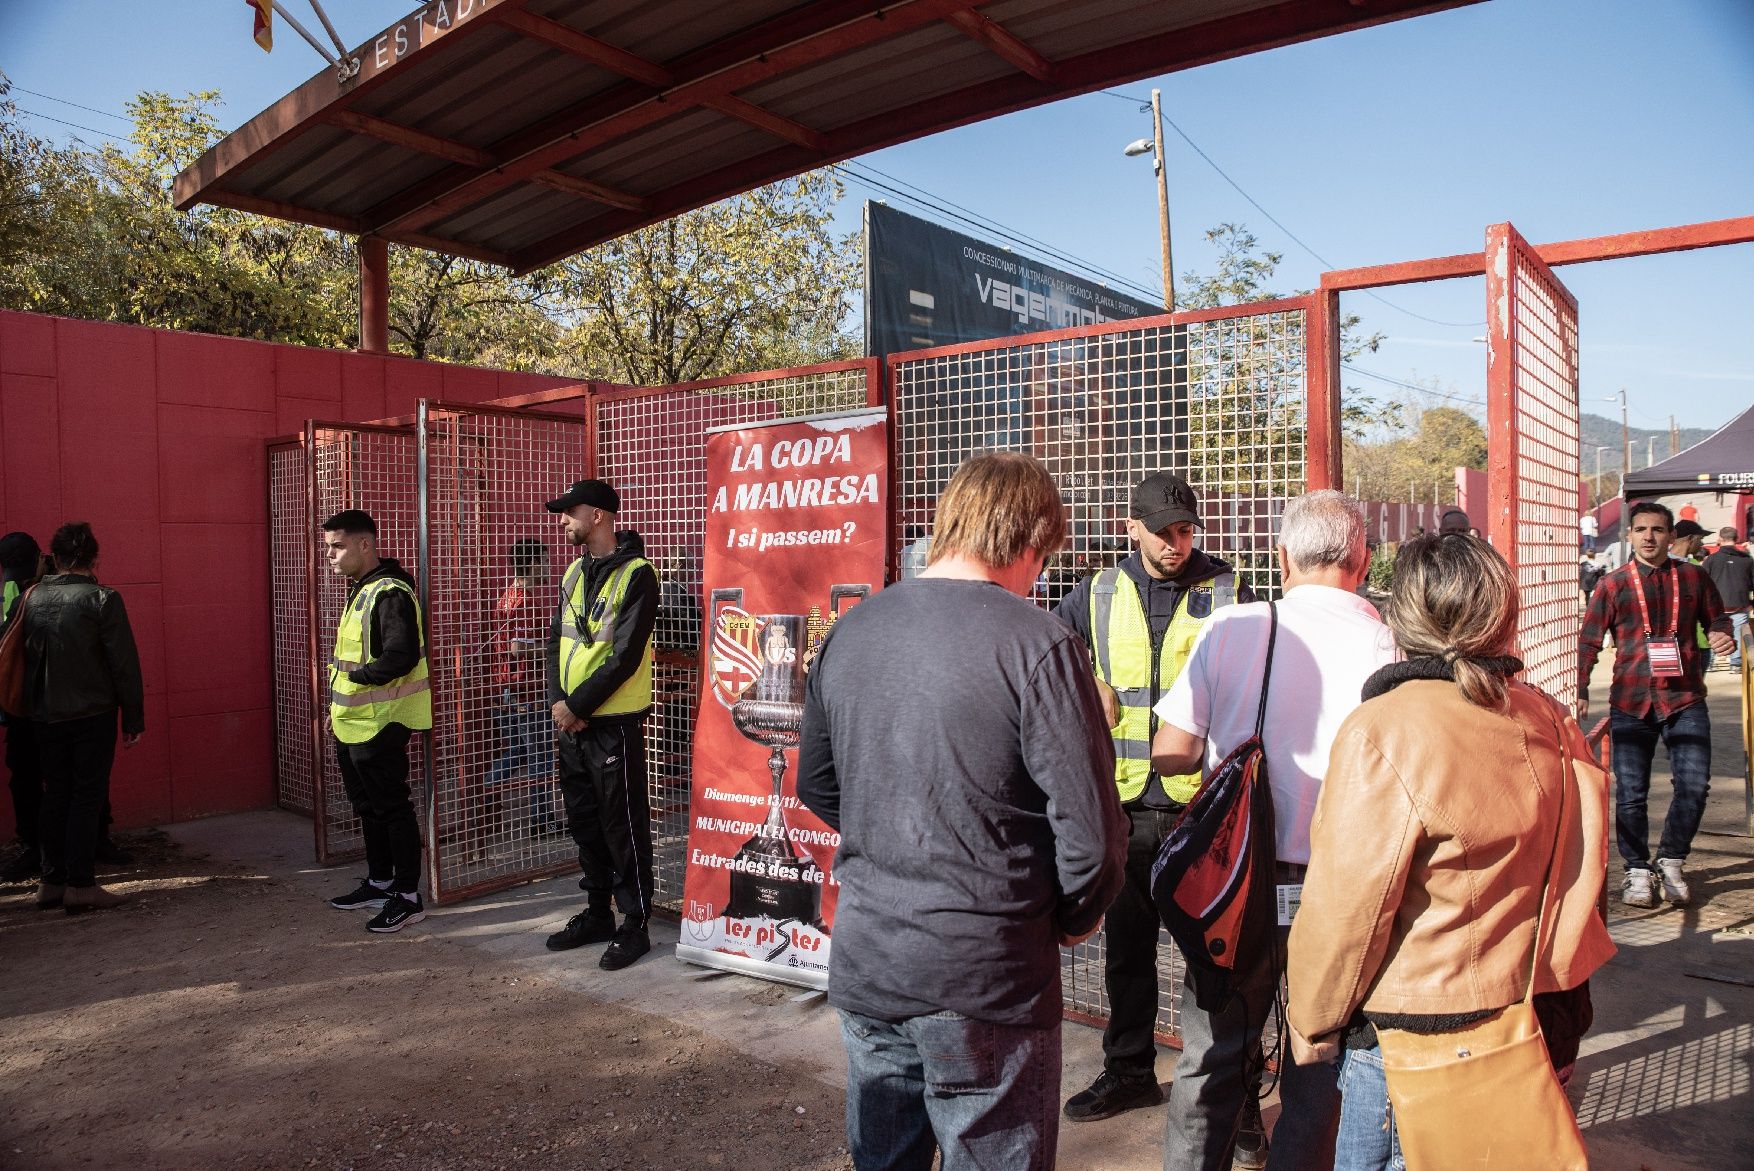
(76, 757)
(608, 812)
(1687, 734)
(1129, 941)
(24, 779)
(1219, 1069)
(375, 775)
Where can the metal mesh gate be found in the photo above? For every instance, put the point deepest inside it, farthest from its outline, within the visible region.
(651, 444)
(492, 563)
(353, 465)
(290, 543)
(1535, 460)
(1221, 397)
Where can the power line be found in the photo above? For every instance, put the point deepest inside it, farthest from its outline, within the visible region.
(1413, 386)
(75, 125)
(1326, 263)
(973, 220)
(63, 101)
(994, 225)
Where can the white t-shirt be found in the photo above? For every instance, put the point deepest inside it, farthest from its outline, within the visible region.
(1586, 524)
(1330, 642)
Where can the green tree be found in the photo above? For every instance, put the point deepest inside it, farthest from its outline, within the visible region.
(753, 282)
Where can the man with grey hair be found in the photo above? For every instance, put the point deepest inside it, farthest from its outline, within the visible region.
(1329, 642)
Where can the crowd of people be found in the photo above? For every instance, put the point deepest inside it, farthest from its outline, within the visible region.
(1005, 778)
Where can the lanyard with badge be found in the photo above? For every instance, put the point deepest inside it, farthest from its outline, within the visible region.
(1665, 651)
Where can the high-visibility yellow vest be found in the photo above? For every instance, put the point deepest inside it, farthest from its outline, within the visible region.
(10, 595)
(1120, 636)
(359, 711)
(585, 649)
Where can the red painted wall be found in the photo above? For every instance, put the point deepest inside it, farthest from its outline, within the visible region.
(156, 438)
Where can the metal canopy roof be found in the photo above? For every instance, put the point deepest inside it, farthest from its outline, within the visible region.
(523, 131)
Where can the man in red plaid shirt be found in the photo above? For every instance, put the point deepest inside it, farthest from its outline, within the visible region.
(1653, 607)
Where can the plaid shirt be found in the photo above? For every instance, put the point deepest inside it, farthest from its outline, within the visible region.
(1614, 611)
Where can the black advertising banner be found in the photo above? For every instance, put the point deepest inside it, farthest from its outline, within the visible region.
(929, 286)
(795, 524)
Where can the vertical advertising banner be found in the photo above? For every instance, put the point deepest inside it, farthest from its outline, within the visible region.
(795, 536)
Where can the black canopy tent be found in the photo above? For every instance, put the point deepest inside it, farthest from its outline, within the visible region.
(1722, 463)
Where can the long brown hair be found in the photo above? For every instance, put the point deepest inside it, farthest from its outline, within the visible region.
(1455, 598)
(996, 507)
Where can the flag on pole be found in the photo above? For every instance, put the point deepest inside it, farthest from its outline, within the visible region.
(264, 31)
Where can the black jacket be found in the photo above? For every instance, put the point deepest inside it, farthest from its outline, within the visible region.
(633, 629)
(80, 657)
(395, 636)
(1732, 572)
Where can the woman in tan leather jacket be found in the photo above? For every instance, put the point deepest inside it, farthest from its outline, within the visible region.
(1431, 839)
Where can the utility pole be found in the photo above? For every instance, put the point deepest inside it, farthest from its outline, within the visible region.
(1625, 437)
(1674, 438)
(1650, 449)
(1162, 198)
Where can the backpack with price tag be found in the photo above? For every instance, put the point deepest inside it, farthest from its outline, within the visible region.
(1212, 880)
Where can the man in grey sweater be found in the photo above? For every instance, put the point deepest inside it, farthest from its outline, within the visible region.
(954, 736)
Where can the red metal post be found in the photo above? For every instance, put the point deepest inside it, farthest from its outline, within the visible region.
(1501, 424)
(374, 295)
(1322, 375)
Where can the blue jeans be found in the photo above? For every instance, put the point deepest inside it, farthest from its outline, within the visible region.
(1367, 1139)
(527, 738)
(1687, 734)
(987, 1095)
(1737, 620)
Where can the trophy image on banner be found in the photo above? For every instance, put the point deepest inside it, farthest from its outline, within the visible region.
(758, 667)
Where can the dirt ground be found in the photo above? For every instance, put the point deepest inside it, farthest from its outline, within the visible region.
(222, 1021)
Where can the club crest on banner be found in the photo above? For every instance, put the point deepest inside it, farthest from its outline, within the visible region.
(736, 653)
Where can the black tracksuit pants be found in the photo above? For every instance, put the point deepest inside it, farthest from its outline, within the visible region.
(375, 775)
(24, 774)
(75, 757)
(1130, 935)
(608, 812)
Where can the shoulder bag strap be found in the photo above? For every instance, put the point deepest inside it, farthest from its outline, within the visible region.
(1267, 670)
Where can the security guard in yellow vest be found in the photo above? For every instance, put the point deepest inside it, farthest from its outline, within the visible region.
(600, 687)
(1140, 620)
(379, 696)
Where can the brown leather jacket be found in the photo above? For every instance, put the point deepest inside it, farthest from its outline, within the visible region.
(1429, 843)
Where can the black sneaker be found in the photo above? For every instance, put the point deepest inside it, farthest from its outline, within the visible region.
(1110, 1094)
(399, 911)
(584, 927)
(23, 868)
(364, 897)
(629, 944)
(1251, 1138)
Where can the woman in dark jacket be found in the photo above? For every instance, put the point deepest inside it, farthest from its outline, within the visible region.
(82, 667)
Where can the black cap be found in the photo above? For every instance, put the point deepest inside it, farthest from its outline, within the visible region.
(1689, 528)
(596, 493)
(1163, 499)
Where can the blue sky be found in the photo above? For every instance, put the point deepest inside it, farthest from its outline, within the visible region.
(1569, 118)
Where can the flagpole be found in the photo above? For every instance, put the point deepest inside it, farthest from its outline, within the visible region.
(333, 35)
(305, 33)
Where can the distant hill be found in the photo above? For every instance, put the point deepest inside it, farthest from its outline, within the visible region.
(1600, 431)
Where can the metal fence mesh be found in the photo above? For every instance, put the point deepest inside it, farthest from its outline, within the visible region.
(290, 538)
(1538, 505)
(372, 468)
(494, 562)
(1221, 401)
(652, 447)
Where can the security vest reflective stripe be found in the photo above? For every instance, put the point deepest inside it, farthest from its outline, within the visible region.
(359, 711)
(1120, 637)
(583, 651)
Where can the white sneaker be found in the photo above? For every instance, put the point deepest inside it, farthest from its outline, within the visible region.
(1675, 887)
(1638, 889)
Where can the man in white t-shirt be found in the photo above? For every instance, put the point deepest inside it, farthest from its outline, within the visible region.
(1587, 531)
(1330, 641)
